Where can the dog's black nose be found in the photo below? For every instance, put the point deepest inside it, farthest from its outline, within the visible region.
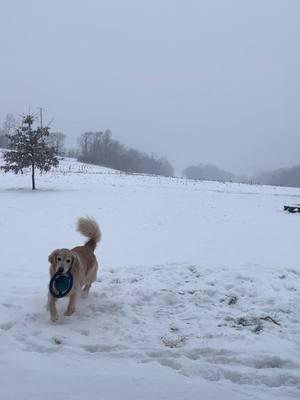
(60, 269)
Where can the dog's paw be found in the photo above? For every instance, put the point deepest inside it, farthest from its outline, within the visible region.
(54, 317)
(84, 294)
(69, 312)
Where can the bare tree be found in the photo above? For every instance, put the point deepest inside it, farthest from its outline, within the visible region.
(8, 126)
(57, 140)
(3, 140)
(85, 143)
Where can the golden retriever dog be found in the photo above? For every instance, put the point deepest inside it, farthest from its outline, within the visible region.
(82, 263)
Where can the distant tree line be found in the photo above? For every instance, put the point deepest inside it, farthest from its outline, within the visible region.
(101, 149)
(213, 173)
(208, 172)
(280, 177)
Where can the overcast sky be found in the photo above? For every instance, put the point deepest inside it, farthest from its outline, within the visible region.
(215, 81)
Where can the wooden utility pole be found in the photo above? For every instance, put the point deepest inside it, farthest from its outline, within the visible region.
(41, 117)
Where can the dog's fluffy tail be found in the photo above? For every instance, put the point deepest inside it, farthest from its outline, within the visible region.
(88, 227)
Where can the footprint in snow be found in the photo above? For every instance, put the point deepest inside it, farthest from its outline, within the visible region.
(103, 348)
(7, 326)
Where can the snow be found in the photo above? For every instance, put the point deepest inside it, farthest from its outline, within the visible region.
(194, 279)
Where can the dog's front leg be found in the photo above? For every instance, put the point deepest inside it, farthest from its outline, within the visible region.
(52, 308)
(71, 306)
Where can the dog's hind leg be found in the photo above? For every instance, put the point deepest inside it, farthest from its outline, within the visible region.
(92, 277)
(71, 306)
(86, 289)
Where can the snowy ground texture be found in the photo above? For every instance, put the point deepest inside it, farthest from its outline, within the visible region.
(198, 294)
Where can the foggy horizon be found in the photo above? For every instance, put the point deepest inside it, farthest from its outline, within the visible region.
(197, 82)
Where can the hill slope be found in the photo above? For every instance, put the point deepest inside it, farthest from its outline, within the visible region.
(194, 278)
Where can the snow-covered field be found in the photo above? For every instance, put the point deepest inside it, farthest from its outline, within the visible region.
(198, 295)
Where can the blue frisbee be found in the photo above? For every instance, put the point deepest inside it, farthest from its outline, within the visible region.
(61, 284)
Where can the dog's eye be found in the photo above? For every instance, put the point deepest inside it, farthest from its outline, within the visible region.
(58, 258)
(68, 260)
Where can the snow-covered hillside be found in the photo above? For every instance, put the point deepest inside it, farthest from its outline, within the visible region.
(198, 294)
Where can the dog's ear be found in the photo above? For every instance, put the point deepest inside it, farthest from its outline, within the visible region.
(75, 262)
(52, 256)
(75, 265)
(51, 259)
